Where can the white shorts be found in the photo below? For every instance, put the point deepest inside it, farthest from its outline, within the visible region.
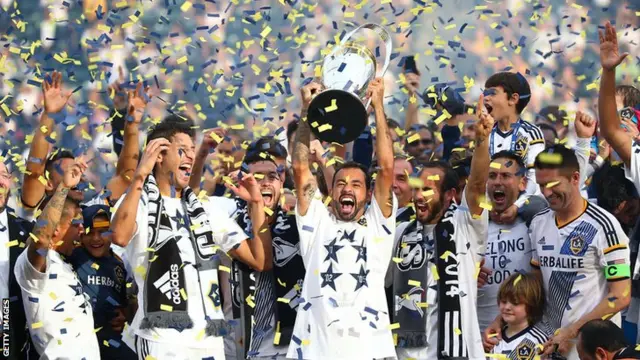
(147, 349)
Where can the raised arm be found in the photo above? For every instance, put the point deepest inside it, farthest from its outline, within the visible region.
(55, 99)
(304, 180)
(50, 218)
(123, 225)
(585, 127)
(256, 252)
(384, 149)
(610, 58)
(128, 159)
(412, 83)
(477, 183)
(210, 140)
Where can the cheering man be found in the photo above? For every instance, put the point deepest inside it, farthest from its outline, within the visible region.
(580, 252)
(435, 257)
(346, 251)
(59, 317)
(172, 238)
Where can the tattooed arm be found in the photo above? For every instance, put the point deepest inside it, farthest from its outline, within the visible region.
(303, 178)
(49, 220)
(384, 150)
(477, 183)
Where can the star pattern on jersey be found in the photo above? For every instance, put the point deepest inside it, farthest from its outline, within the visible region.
(361, 278)
(181, 221)
(329, 277)
(349, 236)
(214, 295)
(362, 251)
(332, 250)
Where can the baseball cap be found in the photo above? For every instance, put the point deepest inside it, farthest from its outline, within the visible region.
(90, 212)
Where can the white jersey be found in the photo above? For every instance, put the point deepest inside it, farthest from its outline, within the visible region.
(573, 258)
(344, 312)
(526, 140)
(227, 235)
(508, 252)
(523, 345)
(58, 313)
(470, 233)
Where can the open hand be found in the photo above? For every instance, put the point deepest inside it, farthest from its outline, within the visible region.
(138, 102)
(119, 95)
(560, 342)
(73, 174)
(55, 98)
(210, 142)
(610, 56)
(247, 188)
(585, 125)
(485, 122)
(150, 156)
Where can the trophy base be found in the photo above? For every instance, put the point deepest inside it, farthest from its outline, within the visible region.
(337, 116)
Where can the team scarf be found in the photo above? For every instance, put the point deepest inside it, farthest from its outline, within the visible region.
(283, 282)
(409, 298)
(165, 299)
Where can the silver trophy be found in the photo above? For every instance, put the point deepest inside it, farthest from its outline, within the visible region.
(339, 113)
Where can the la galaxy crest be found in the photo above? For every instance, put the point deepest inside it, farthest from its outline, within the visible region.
(522, 146)
(524, 351)
(576, 244)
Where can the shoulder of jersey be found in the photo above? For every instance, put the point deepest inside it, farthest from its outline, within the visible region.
(605, 221)
(542, 213)
(541, 332)
(534, 132)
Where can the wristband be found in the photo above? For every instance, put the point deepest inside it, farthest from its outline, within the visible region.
(618, 271)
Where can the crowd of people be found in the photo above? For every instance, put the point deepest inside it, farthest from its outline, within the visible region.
(474, 235)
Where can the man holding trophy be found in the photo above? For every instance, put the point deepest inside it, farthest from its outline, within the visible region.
(346, 249)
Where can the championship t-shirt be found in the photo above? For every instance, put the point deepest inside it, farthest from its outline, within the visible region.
(343, 312)
(226, 234)
(59, 317)
(508, 252)
(573, 259)
(470, 233)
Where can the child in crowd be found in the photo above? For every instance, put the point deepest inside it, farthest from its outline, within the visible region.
(104, 279)
(521, 302)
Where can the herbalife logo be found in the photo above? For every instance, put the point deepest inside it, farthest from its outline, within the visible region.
(169, 284)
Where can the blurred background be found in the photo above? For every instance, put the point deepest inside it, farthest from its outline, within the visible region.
(242, 63)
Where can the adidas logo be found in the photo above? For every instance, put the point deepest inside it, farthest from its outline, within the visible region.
(542, 241)
(169, 284)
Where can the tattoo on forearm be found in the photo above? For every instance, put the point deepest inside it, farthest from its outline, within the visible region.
(310, 190)
(303, 138)
(50, 217)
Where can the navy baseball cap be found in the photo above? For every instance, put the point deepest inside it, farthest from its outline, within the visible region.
(90, 212)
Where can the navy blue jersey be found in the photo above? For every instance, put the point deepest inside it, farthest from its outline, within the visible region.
(104, 280)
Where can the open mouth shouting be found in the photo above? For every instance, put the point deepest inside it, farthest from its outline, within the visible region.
(488, 107)
(499, 197)
(267, 196)
(422, 207)
(184, 171)
(347, 204)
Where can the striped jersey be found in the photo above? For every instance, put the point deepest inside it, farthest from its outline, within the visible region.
(573, 258)
(527, 142)
(522, 346)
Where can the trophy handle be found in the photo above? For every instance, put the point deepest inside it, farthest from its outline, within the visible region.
(383, 33)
